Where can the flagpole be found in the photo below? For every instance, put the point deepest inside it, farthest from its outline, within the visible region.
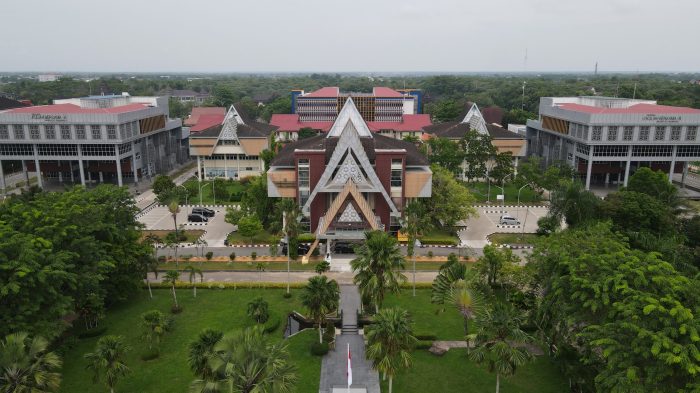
(349, 370)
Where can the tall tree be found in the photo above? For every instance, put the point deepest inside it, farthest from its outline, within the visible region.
(450, 202)
(108, 361)
(249, 226)
(499, 341)
(573, 203)
(320, 297)
(446, 153)
(445, 110)
(654, 184)
(478, 149)
(390, 341)
(494, 261)
(378, 267)
(413, 224)
(193, 273)
(171, 277)
(154, 324)
(455, 286)
(26, 365)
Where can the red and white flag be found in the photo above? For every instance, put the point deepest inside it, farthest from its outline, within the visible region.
(349, 372)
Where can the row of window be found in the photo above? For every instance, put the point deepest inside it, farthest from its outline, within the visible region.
(62, 150)
(67, 131)
(640, 151)
(626, 133)
(231, 157)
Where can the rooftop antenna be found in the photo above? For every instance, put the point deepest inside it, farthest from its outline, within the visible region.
(595, 73)
(634, 93)
(525, 61)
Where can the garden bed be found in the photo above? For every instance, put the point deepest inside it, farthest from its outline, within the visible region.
(191, 234)
(513, 238)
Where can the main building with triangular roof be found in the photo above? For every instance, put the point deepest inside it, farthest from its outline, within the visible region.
(350, 179)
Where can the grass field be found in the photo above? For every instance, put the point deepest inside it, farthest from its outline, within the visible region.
(209, 196)
(454, 372)
(480, 192)
(279, 266)
(191, 234)
(439, 236)
(224, 310)
(512, 238)
(262, 237)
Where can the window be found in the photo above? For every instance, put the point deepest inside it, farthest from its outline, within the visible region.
(676, 133)
(34, 131)
(80, 131)
(652, 151)
(111, 132)
(627, 133)
(597, 133)
(65, 131)
(4, 133)
(396, 172)
(691, 133)
(50, 131)
(303, 182)
(18, 130)
(612, 133)
(97, 150)
(659, 133)
(96, 132)
(122, 131)
(644, 133)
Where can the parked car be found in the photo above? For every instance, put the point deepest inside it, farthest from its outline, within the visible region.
(196, 218)
(301, 249)
(344, 248)
(203, 211)
(508, 220)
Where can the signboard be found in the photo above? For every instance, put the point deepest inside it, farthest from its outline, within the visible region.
(48, 117)
(661, 118)
(500, 197)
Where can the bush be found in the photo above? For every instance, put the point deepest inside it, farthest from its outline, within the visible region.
(306, 238)
(424, 344)
(181, 237)
(98, 331)
(150, 354)
(236, 197)
(293, 248)
(161, 259)
(273, 322)
(209, 255)
(329, 332)
(443, 242)
(319, 349)
(287, 295)
(176, 309)
(253, 255)
(428, 337)
(258, 310)
(430, 254)
(232, 256)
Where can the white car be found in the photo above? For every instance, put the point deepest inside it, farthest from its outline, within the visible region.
(508, 220)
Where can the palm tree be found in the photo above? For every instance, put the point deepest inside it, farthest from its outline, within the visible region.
(413, 224)
(499, 341)
(108, 359)
(320, 297)
(290, 220)
(150, 266)
(193, 277)
(322, 267)
(377, 267)
(389, 342)
(201, 350)
(154, 324)
(244, 362)
(258, 310)
(454, 286)
(171, 277)
(26, 365)
(174, 209)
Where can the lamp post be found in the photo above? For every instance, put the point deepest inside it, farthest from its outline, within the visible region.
(200, 192)
(286, 240)
(186, 192)
(522, 233)
(416, 245)
(503, 191)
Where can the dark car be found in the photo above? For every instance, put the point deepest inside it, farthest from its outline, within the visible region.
(196, 218)
(344, 248)
(301, 249)
(203, 211)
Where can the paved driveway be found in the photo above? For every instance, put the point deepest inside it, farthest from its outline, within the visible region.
(487, 222)
(159, 218)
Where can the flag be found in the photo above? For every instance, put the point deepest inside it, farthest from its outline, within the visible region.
(349, 367)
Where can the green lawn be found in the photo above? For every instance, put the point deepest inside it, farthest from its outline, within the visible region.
(262, 237)
(454, 372)
(218, 309)
(191, 234)
(513, 238)
(221, 266)
(480, 192)
(439, 236)
(209, 196)
(695, 205)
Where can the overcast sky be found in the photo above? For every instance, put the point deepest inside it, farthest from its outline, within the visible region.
(354, 35)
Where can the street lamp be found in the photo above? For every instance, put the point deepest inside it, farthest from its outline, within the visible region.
(186, 192)
(522, 233)
(503, 191)
(200, 192)
(416, 245)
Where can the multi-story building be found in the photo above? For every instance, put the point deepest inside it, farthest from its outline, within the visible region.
(386, 111)
(350, 179)
(93, 139)
(607, 139)
(48, 77)
(231, 149)
(188, 96)
(503, 140)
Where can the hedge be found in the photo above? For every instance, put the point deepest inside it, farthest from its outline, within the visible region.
(440, 242)
(229, 285)
(273, 322)
(430, 337)
(319, 349)
(306, 238)
(424, 344)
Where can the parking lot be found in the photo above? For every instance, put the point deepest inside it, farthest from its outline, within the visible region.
(487, 222)
(216, 229)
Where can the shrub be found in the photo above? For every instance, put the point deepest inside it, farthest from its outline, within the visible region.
(273, 322)
(150, 354)
(306, 238)
(258, 310)
(293, 248)
(232, 256)
(322, 267)
(287, 295)
(329, 332)
(170, 237)
(236, 197)
(161, 259)
(428, 337)
(430, 254)
(443, 242)
(319, 349)
(253, 255)
(176, 309)
(209, 255)
(94, 332)
(424, 344)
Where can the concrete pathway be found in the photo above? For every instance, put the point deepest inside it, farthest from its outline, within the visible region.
(254, 276)
(334, 364)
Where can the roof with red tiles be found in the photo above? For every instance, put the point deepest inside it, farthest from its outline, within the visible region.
(324, 92)
(76, 109)
(207, 121)
(385, 92)
(633, 109)
(199, 111)
(291, 123)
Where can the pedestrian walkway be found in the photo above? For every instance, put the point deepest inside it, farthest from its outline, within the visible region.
(341, 264)
(334, 364)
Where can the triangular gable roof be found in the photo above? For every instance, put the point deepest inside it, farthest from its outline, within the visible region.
(349, 115)
(348, 122)
(350, 214)
(476, 120)
(230, 125)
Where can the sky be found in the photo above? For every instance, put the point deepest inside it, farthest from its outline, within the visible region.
(349, 36)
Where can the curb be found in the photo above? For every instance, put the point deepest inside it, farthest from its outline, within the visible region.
(512, 206)
(513, 247)
(508, 226)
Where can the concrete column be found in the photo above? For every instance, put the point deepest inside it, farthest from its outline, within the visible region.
(515, 166)
(673, 164)
(589, 168)
(225, 168)
(60, 176)
(2, 179)
(26, 172)
(199, 168)
(685, 173)
(37, 167)
(627, 165)
(204, 169)
(607, 179)
(82, 171)
(146, 158)
(102, 178)
(89, 176)
(70, 165)
(119, 166)
(133, 162)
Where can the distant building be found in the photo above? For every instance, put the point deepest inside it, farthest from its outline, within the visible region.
(606, 139)
(350, 179)
(386, 111)
(48, 77)
(503, 140)
(520, 129)
(203, 118)
(230, 149)
(104, 139)
(189, 96)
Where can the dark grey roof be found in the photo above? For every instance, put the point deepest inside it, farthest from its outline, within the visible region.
(456, 130)
(212, 132)
(255, 129)
(497, 132)
(8, 103)
(285, 157)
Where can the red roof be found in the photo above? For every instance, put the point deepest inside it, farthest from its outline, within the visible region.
(207, 121)
(634, 109)
(199, 111)
(325, 92)
(385, 92)
(75, 109)
(287, 123)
